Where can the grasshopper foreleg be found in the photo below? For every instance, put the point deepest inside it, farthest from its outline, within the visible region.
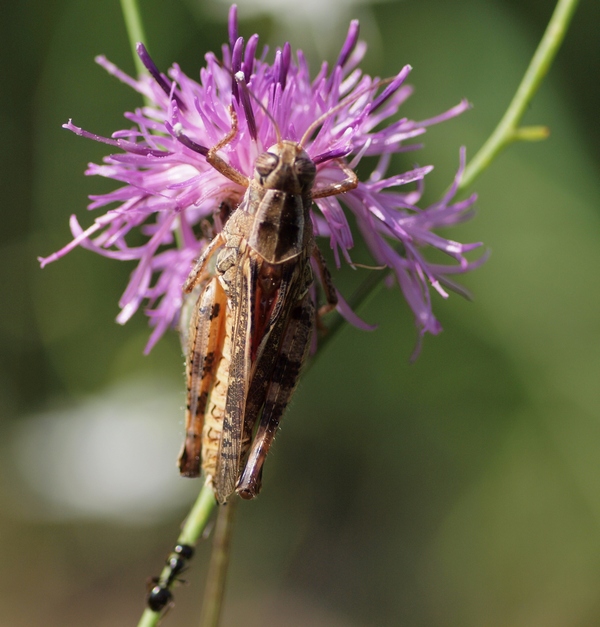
(220, 164)
(345, 185)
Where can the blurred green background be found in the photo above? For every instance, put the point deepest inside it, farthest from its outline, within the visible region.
(463, 490)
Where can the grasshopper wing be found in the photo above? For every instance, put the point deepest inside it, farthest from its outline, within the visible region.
(241, 319)
(261, 297)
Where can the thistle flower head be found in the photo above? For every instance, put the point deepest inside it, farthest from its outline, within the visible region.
(169, 190)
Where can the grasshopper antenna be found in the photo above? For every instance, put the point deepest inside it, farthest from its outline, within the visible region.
(393, 84)
(246, 94)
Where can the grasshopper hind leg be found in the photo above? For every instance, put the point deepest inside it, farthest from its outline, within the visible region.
(286, 371)
(205, 339)
(326, 282)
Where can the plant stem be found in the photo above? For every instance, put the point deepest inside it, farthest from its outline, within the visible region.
(135, 34)
(192, 529)
(135, 31)
(219, 561)
(508, 129)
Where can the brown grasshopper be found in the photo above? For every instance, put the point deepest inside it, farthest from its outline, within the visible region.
(251, 328)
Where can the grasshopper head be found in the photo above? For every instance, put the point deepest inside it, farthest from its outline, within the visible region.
(286, 167)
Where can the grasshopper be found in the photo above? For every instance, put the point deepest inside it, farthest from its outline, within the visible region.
(251, 328)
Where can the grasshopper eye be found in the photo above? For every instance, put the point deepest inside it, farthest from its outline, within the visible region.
(305, 171)
(265, 164)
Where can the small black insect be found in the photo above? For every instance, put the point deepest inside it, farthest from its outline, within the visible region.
(160, 595)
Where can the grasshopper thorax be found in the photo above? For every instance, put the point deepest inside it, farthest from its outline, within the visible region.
(279, 199)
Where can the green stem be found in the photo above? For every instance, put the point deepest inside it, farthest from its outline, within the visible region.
(508, 130)
(135, 31)
(191, 531)
(135, 34)
(219, 561)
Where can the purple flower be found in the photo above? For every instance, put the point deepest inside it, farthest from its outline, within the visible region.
(169, 190)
